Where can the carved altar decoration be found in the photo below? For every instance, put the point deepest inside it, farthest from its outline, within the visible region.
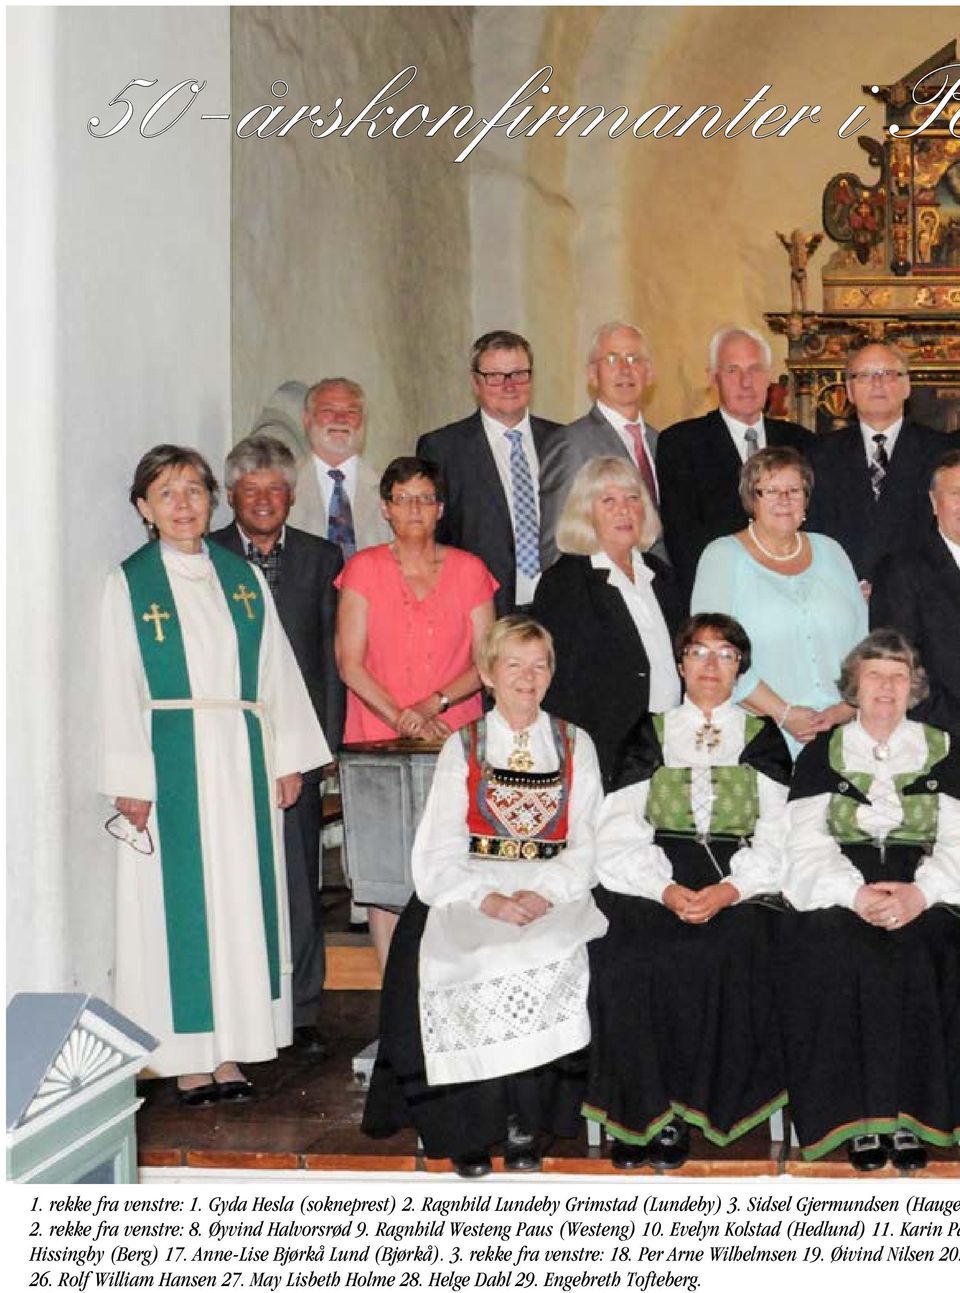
(895, 274)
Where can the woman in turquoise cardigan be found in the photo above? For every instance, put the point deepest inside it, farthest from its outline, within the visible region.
(795, 593)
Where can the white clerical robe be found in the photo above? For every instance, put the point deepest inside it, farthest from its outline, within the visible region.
(248, 1026)
(497, 998)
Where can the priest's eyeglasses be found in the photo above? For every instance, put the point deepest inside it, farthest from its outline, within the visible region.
(519, 376)
(725, 654)
(127, 833)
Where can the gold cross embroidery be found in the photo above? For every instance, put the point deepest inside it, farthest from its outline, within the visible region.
(154, 616)
(246, 595)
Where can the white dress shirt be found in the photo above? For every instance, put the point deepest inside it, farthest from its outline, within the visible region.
(648, 618)
(818, 874)
(738, 432)
(496, 433)
(628, 860)
(349, 469)
(868, 432)
(952, 548)
(620, 424)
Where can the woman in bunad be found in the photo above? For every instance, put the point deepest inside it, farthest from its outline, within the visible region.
(689, 855)
(206, 726)
(870, 976)
(484, 1006)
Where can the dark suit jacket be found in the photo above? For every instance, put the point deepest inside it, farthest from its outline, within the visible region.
(307, 606)
(698, 471)
(919, 594)
(591, 436)
(602, 680)
(477, 515)
(843, 505)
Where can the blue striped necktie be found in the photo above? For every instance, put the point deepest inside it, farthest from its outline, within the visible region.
(340, 517)
(526, 529)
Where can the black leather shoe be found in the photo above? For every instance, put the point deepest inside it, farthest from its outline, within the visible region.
(470, 1166)
(626, 1158)
(308, 1042)
(236, 1092)
(195, 1097)
(867, 1153)
(670, 1148)
(905, 1150)
(521, 1151)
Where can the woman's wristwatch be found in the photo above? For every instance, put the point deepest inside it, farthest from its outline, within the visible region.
(445, 703)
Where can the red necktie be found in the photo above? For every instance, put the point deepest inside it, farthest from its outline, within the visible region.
(643, 462)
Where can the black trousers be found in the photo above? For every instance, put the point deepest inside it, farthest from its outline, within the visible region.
(301, 836)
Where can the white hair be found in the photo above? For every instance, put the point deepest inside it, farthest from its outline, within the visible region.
(613, 326)
(724, 334)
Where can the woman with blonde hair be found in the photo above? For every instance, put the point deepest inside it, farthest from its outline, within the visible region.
(612, 609)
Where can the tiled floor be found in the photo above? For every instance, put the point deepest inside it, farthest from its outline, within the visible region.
(308, 1117)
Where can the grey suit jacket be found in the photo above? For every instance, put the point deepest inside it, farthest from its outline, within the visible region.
(568, 449)
(309, 511)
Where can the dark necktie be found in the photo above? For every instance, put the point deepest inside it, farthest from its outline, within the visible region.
(340, 517)
(269, 563)
(878, 465)
(643, 462)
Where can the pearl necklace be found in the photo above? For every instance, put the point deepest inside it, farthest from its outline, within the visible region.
(773, 556)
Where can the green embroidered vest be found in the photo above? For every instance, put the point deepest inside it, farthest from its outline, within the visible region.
(736, 799)
(920, 807)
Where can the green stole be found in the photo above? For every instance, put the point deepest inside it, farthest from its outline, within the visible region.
(173, 739)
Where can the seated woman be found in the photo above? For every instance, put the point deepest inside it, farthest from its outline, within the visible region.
(611, 607)
(870, 975)
(681, 1000)
(484, 1003)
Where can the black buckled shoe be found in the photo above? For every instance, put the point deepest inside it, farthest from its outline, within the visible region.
(867, 1153)
(472, 1166)
(627, 1158)
(236, 1092)
(521, 1152)
(905, 1150)
(671, 1148)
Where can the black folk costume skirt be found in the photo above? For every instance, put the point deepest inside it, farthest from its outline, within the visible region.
(684, 1017)
(871, 1018)
(464, 1117)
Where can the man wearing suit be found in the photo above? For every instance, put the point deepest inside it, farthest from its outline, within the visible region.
(300, 569)
(699, 460)
(491, 466)
(619, 369)
(337, 491)
(872, 477)
(919, 594)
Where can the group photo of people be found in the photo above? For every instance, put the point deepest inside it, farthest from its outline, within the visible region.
(690, 856)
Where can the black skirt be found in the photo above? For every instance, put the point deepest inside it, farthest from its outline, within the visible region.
(683, 1017)
(464, 1117)
(871, 1026)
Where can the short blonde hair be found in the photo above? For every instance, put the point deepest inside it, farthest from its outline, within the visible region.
(575, 528)
(773, 458)
(512, 628)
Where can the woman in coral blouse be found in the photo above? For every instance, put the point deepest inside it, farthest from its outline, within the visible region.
(411, 612)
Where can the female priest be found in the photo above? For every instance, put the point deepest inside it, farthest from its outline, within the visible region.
(206, 727)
